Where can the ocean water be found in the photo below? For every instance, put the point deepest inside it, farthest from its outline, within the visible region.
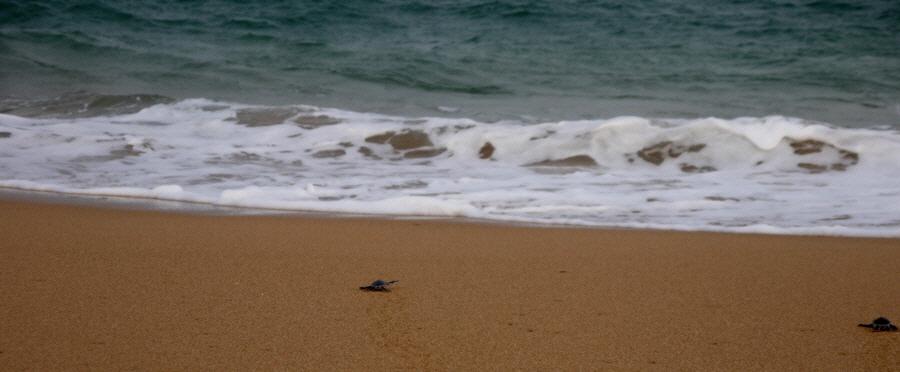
(763, 116)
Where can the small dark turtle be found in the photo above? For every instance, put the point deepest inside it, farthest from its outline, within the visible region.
(880, 324)
(379, 285)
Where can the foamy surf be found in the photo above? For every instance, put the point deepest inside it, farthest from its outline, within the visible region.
(768, 175)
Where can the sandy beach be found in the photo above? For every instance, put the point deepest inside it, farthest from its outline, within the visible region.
(93, 289)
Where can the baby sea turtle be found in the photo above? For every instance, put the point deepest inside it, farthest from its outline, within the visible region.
(378, 285)
(880, 324)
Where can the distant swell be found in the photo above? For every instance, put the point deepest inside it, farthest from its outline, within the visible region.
(82, 105)
(488, 60)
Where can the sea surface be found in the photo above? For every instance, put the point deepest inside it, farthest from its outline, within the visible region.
(741, 116)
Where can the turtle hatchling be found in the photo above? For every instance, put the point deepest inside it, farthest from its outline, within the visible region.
(880, 324)
(378, 285)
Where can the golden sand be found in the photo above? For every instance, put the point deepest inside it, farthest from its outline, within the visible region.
(85, 288)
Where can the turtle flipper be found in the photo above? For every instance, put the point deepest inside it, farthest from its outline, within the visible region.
(374, 289)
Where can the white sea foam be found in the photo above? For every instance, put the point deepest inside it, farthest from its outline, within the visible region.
(767, 175)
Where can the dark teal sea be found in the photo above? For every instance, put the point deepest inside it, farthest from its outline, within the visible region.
(831, 61)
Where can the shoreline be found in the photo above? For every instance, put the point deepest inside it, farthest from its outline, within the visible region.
(86, 288)
(208, 209)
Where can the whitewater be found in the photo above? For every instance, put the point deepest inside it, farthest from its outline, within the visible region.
(771, 174)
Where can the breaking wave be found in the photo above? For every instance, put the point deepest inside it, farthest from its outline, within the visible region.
(764, 174)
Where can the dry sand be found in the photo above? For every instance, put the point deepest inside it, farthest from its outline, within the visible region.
(86, 288)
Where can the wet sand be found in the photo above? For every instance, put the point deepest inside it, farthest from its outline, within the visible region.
(84, 288)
